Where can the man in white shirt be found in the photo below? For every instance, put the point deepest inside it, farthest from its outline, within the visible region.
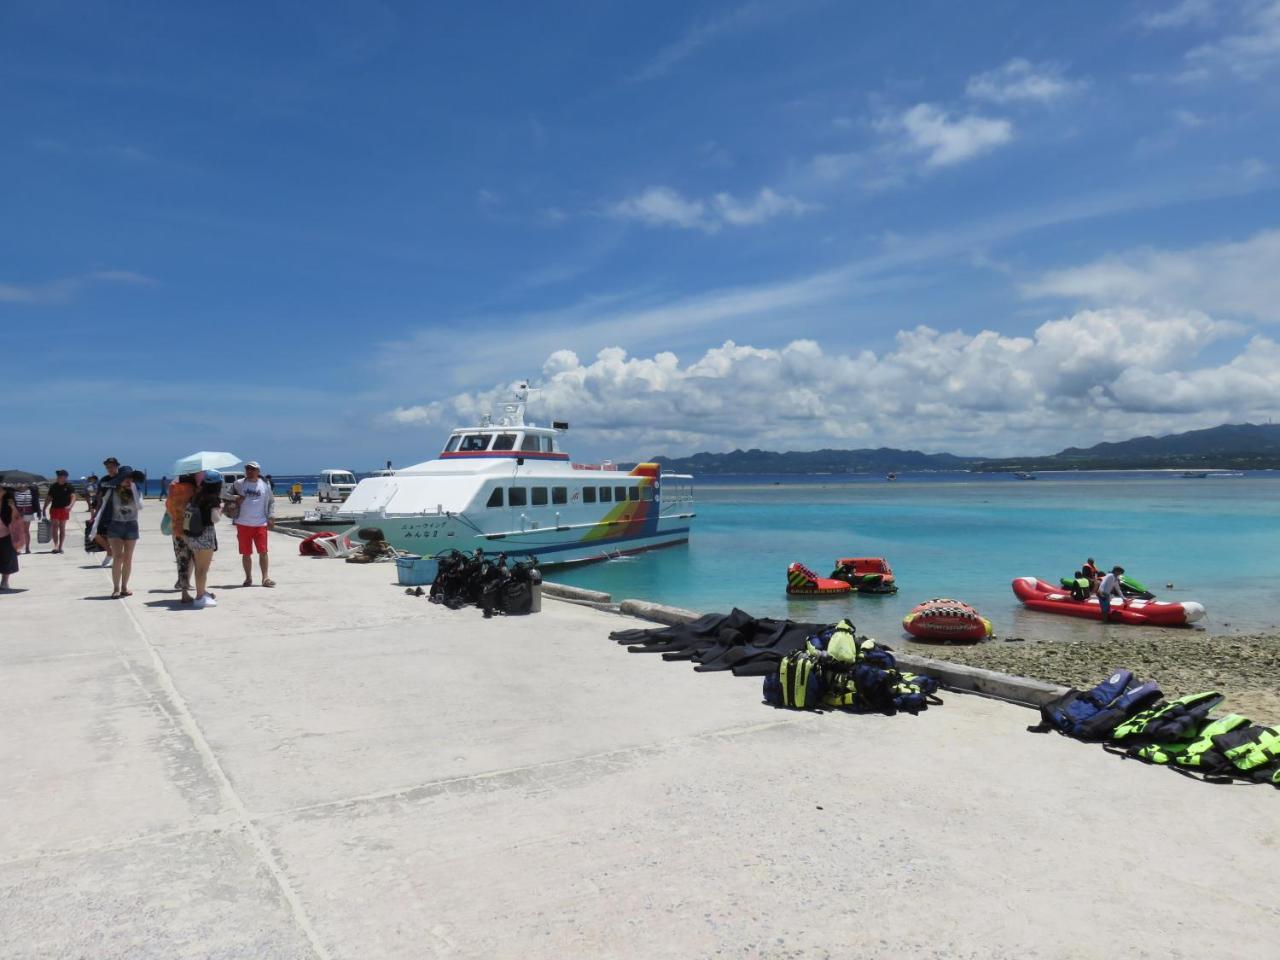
(1108, 588)
(255, 515)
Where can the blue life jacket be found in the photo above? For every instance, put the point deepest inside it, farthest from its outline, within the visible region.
(1094, 714)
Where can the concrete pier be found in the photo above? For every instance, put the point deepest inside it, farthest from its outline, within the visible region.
(334, 769)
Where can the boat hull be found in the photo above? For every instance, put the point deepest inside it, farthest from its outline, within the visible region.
(1039, 595)
(430, 535)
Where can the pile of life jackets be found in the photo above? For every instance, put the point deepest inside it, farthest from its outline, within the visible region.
(490, 584)
(1131, 717)
(837, 669)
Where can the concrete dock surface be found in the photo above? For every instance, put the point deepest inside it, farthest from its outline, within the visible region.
(334, 769)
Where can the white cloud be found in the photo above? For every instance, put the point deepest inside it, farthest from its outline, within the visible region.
(1117, 372)
(1240, 278)
(948, 141)
(663, 206)
(64, 289)
(1183, 14)
(1250, 51)
(764, 206)
(1020, 80)
(695, 37)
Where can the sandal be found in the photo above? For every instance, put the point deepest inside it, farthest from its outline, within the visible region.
(126, 593)
(115, 594)
(268, 582)
(247, 583)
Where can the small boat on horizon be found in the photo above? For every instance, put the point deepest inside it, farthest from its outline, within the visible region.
(1025, 476)
(1195, 475)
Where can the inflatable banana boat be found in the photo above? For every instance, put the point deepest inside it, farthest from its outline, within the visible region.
(1039, 595)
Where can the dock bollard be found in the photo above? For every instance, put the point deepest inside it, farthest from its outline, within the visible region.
(535, 588)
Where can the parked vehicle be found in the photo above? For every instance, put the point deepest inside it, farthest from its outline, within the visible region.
(335, 485)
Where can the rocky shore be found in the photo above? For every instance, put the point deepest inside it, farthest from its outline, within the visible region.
(1246, 668)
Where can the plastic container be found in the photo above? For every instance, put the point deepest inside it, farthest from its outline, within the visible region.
(416, 571)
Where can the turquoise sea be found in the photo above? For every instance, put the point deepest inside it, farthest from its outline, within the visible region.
(967, 536)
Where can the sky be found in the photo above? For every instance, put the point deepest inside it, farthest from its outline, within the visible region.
(323, 234)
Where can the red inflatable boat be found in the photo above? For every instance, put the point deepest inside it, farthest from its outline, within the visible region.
(942, 619)
(1039, 595)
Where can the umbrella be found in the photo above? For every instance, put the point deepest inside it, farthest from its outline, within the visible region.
(204, 460)
(21, 476)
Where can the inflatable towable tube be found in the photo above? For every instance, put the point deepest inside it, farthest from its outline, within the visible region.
(945, 619)
(866, 574)
(803, 582)
(1045, 597)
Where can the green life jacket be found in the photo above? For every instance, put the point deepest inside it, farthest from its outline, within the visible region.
(1168, 722)
(803, 684)
(845, 646)
(1197, 749)
(1249, 750)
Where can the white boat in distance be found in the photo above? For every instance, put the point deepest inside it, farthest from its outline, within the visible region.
(506, 486)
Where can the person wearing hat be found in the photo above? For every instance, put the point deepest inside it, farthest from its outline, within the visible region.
(255, 514)
(122, 505)
(1109, 588)
(60, 499)
(102, 503)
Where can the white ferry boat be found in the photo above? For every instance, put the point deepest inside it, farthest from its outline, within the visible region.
(506, 486)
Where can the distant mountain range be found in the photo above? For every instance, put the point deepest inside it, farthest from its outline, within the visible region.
(1244, 446)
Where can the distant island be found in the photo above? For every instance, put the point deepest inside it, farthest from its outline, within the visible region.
(1243, 446)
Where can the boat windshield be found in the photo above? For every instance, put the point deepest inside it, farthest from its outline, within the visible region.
(474, 442)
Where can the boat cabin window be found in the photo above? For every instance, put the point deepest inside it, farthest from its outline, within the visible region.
(646, 492)
(606, 495)
(530, 443)
(588, 494)
(474, 442)
(559, 494)
(547, 446)
(633, 493)
(495, 498)
(619, 493)
(504, 441)
(516, 496)
(452, 445)
(539, 496)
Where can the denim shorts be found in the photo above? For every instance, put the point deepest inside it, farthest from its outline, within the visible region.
(122, 530)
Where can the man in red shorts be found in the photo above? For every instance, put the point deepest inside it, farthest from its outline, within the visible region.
(255, 515)
(59, 500)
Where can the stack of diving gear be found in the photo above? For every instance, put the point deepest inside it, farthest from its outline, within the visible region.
(491, 585)
(1135, 722)
(375, 547)
(839, 670)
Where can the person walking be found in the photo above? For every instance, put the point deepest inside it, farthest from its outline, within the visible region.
(28, 500)
(180, 494)
(255, 514)
(103, 503)
(122, 506)
(12, 536)
(1110, 588)
(59, 501)
(199, 530)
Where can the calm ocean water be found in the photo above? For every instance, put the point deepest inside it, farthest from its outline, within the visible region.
(967, 536)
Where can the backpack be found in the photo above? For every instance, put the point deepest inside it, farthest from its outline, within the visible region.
(193, 520)
(799, 683)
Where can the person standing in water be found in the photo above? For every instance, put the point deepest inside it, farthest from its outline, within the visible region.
(1109, 588)
(61, 498)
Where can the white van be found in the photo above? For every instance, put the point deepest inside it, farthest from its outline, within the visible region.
(335, 485)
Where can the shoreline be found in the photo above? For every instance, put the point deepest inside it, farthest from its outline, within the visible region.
(1243, 667)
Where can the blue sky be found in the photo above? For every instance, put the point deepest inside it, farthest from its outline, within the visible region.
(319, 233)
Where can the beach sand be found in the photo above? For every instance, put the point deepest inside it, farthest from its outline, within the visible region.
(1244, 668)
